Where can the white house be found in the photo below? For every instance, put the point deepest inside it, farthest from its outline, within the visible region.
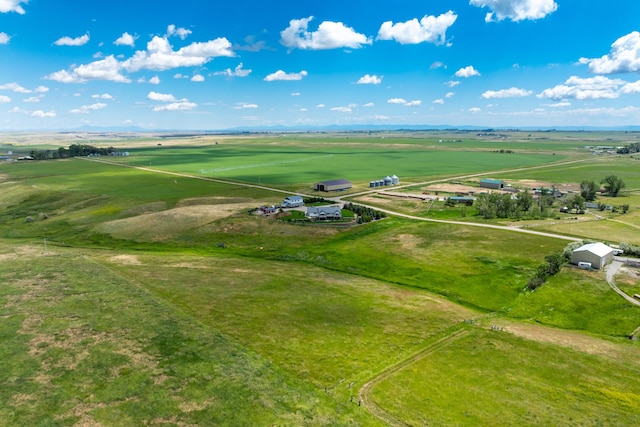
(292, 202)
(597, 254)
(324, 212)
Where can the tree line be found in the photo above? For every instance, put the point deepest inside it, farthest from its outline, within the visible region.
(365, 214)
(74, 150)
(523, 205)
(632, 148)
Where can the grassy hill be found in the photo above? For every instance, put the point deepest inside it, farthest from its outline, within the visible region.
(120, 306)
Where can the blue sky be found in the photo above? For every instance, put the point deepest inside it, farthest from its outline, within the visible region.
(199, 65)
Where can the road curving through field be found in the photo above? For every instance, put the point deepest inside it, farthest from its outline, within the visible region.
(387, 211)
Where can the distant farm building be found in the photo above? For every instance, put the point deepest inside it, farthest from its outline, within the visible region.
(385, 182)
(596, 254)
(495, 184)
(292, 202)
(268, 210)
(333, 185)
(466, 200)
(324, 212)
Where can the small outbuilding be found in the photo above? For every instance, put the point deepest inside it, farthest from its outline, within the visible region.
(333, 185)
(466, 200)
(495, 184)
(597, 254)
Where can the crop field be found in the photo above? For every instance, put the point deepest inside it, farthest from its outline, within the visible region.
(143, 290)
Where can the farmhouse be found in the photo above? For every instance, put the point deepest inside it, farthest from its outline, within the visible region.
(597, 254)
(495, 184)
(333, 185)
(292, 202)
(324, 212)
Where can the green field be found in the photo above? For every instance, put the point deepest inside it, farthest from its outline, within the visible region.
(142, 297)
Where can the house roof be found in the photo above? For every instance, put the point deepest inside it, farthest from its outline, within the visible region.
(324, 209)
(335, 182)
(599, 249)
(293, 198)
(492, 181)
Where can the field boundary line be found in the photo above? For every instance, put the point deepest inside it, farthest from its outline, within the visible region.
(363, 393)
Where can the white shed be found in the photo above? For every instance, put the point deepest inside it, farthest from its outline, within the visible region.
(598, 254)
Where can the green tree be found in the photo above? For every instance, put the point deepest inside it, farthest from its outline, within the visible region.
(576, 202)
(524, 201)
(613, 185)
(588, 190)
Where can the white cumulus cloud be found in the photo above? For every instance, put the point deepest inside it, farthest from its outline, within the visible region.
(33, 99)
(160, 55)
(86, 109)
(4, 38)
(12, 6)
(467, 71)
(341, 109)
(624, 57)
(102, 96)
(245, 106)
(281, 75)
(4, 99)
(438, 101)
(239, 71)
(105, 69)
(513, 92)
(370, 80)
(126, 39)
(631, 87)
(14, 87)
(68, 41)
(430, 29)
(598, 87)
(172, 30)
(155, 80)
(516, 10)
(402, 101)
(330, 35)
(43, 114)
(176, 106)
(197, 78)
(162, 97)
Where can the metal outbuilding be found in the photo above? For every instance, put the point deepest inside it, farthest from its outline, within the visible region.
(598, 254)
(333, 185)
(496, 184)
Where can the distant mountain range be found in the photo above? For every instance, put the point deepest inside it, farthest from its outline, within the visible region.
(336, 128)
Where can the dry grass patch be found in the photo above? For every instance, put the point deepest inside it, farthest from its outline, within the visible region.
(164, 225)
(569, 339)
(125, 259)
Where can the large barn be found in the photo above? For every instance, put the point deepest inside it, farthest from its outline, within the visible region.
(597, 254)
(333, 185)
(496, 184)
